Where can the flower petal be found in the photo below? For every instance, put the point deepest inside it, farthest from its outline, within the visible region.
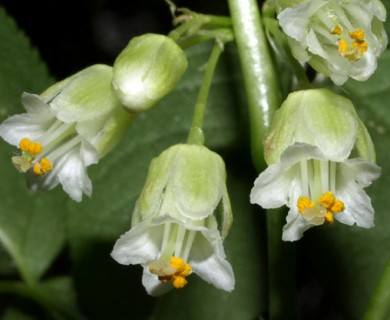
(353, 175)
(86, 95)
(294, 20)
(363, 172)
(32, 124)
(153, 286)
(207, 259)
(73, 175)
(272, 187)
(295, 227)
(198, 176)
(140, 245)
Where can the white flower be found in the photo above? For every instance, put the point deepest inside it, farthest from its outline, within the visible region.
(340, 38)
(320, 158)
(65, 129)
(174, 226)
(305, 179)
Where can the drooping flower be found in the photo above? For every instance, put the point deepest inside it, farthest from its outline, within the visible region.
(68, 127)
(179, 222)
(320, 159)
(148, 68)
(340, 38)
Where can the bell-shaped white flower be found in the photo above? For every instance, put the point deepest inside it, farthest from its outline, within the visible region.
(68, 127)
(340, 38)
(179, 222)
(320, 159)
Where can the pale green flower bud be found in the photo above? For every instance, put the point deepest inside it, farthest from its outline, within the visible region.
(321, 118)
(339, 38)
(146, 70)
(70, 126)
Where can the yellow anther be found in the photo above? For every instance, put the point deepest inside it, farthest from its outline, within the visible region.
(337, 30)
(29, 146)
(355, 50)
(179, 282)
(358, 35)
(329, 217)
(338, 206)
(327, 200)
(176, 271)
(323, 210)
(178, 264)
(304, 203)
(42, 167)
(343, 46)
(24, 144)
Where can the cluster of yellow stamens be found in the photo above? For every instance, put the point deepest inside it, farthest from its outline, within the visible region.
(42, 167)
(324, 209)
(176, 271)
(354, 50)
(30, 150)
(29, 146)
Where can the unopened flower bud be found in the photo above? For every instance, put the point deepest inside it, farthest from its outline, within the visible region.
(146, 70)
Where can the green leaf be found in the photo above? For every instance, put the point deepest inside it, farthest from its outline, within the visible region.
(95, 225)
(31, 225)
(340, 265)
(15, 314)
(54, 297)
(20, 67)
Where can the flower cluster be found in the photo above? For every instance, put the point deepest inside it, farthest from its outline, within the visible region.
(77, 121)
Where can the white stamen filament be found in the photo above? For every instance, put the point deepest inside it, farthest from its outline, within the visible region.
(179, 240)
(324, 175)
(189, 242)
(64, 148)
(333, 177)
(56, 134)
(167, 228)
(316, 191)
(304, 178)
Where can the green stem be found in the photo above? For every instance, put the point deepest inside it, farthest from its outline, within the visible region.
(196, 135)
(197, 22)
(260, 78)
(264, 98)
(281, 269)
(379, 305)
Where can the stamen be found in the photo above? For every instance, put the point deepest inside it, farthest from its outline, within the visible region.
(29, 146)
(304, 203)
(176, 271)
(42, 167)
(337, 30)
(343, 46)
(355, 50)
(358, 35)
(327, 200)
(324, 209)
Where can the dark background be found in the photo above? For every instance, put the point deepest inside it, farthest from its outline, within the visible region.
(71, 35)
